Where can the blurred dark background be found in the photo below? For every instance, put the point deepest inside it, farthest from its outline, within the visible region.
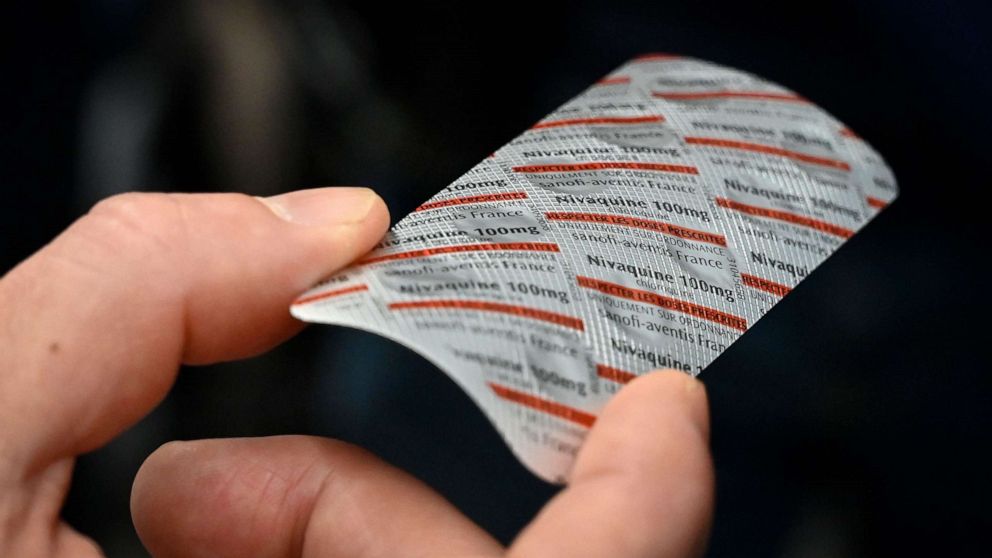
(854, 420)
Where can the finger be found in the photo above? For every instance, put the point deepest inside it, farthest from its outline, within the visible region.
(95, 324)
(642, 484)
(292, 496)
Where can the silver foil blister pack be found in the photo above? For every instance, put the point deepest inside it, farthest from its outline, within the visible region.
(647, 223)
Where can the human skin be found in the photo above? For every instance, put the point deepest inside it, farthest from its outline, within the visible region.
(94, 326)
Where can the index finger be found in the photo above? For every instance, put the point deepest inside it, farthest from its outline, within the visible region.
(95, 325)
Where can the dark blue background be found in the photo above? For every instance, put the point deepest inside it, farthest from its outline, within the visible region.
(852, 421)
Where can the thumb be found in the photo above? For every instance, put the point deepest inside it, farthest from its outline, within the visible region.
(642, 485)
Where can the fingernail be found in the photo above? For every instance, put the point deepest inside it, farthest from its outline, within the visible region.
(323, 206)
(692, 384)
(689, 382)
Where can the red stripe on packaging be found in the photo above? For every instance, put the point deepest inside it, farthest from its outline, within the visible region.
(488, 306)
(570, 414)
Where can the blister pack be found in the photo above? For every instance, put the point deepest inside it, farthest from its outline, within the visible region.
(647, 223)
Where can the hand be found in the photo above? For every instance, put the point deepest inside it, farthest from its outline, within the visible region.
(94, 326)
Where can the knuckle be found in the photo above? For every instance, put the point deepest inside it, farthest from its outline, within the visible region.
(135, 223)
(133, 235)
(136, 212)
